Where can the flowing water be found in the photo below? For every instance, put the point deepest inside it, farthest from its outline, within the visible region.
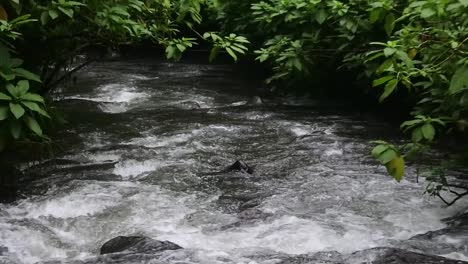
(143, 154)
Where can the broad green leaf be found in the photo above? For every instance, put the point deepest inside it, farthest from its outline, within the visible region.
(17, 110)
(170, 50)
(5, 97)
(53, 14)
(32, 97)
(237, 49)
(417, 135)
(232, 53)
(428, 131)
(396, 168)
(213, 53)
(378, 150)
(66, 11)
(4, 112)
(35, 107)
(27, 74)
(15, 129)
(410, 123)
(23, 87)
(389, 52)
(459, 80)
(13, 90)
(44, 17)
(382, 80)
(33, 125)
(386, 156)
(321, 16)
(386, 65)
(374, 15)
(389, 24)
(181, 47)
(15, 62)
(389, 88)
(427, 12)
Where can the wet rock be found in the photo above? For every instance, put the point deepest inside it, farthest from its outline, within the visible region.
(136, 244)
(325, 257)
(441, 242)
(241, 166)
(396, 256)
(3, 251)
(253, 214)
(256, 100)
(250, 204)
(189, 105)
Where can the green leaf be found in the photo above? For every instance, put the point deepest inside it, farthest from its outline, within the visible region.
(389, 24)
(66, 11)
(13, 90)
(417, 135)
(427, 12)
(181, 47)
(396, 168)
(15, 129)
(44, 17)
(388, 155)
(233, 55)
(389, 88)
(170, 51)
(5, 97)
(32, 97)
(459, 80)
(382, 80)
(4, 112)
(378, 150)
(389, 52)
(214, 52)
(27, 74)
(386, 65)
(17, 110)
(321, 16)
(53, 14)
(33, 125)
(410, 123)
(23, 87)
(428, 131)
(36, 108)
(374, 15)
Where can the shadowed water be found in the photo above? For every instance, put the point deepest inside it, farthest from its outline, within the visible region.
(141, 154)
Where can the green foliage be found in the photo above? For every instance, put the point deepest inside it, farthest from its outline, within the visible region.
(390, 157)
(232, 44)
(66, 27)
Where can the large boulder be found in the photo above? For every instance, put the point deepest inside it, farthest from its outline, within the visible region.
(136, 244)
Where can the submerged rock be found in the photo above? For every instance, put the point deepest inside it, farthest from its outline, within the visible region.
(241, 166)
(256, 100)
(136, 244)
(3, 250)
(189, 105)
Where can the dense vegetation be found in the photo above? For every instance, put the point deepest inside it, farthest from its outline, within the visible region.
(413, 53)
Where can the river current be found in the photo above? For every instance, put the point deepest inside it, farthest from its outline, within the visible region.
(143, 155)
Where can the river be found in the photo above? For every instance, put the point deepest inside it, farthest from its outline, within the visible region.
(143, 155)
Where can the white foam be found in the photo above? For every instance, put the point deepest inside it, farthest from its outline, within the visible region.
(131, 168)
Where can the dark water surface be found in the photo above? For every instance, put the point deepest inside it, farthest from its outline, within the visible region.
(140, 158)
